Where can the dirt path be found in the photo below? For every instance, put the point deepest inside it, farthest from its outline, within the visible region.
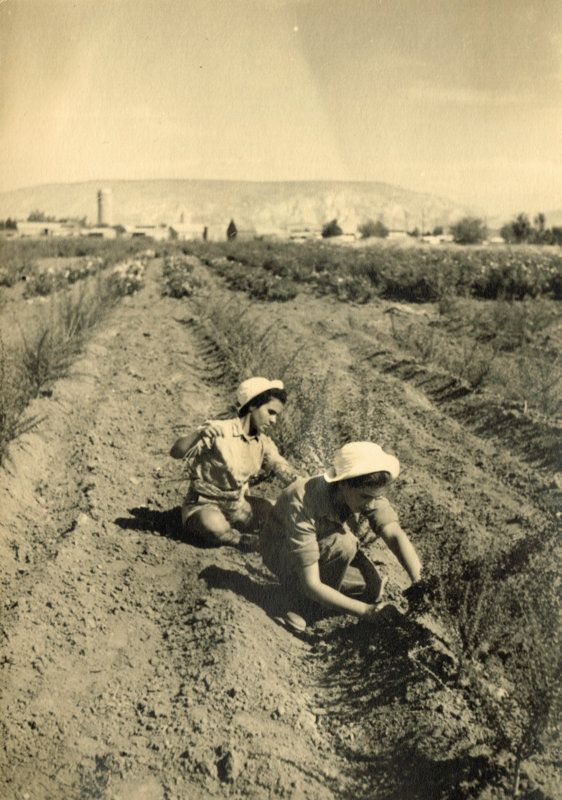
(136, 666)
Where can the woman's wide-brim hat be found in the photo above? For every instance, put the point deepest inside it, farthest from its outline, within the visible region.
(361, 458)
(252, 387)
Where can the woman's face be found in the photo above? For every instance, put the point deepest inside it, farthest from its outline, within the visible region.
(261, 418)
(357, 499)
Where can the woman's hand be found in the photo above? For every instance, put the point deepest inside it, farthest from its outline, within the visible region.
(373, 610)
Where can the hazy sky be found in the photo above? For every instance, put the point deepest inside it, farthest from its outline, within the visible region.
(461, 98)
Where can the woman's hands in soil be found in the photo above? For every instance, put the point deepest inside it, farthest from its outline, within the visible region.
(373, 610)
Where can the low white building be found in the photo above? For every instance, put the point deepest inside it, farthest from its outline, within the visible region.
(187, 231)
(102, 232)
(36, 229)
(157, 232)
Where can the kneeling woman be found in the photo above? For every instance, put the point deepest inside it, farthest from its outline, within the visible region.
(222, 456)
(310, 544)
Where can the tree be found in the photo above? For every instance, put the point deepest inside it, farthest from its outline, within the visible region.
(370, 228)
(521, 228)
(39, 216)
(331, 229)
(438, 230)
(506, 232)
(232, 230)
(469, 230)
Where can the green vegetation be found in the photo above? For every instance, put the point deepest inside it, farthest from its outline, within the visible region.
(277, 271)
(503, 347)
(520, 230)
(506, 347)
(371, 228)
(331, 229)
(21, 259)
(179, 280)
(469, 230)
(45, 352)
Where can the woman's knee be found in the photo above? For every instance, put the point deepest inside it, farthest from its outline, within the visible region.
(252, 513)
(210, 526)
(340, 546)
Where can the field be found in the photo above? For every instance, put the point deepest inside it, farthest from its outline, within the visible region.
(136, 665)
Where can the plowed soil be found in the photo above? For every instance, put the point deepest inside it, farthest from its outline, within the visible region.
(137, 666)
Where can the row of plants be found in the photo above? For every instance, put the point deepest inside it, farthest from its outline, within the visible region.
(42, 281)
(53, 278)
(45, 352)
(509, 349)
(179, 277)
(20, 259)
(278, 271)
(499, 601)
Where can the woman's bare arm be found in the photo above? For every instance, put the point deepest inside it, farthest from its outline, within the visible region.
(398, 542)
(183, 444)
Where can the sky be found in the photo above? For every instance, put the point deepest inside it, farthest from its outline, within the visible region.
(460, 98)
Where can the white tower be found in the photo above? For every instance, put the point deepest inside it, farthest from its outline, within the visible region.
(105, 207)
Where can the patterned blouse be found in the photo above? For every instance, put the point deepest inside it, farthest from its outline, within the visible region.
(223, 459)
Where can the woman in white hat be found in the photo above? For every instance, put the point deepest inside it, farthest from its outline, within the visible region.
(222, 456)
(309, 540)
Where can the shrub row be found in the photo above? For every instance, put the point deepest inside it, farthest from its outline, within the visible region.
(277, 271)
(19, 259)
(46, 351)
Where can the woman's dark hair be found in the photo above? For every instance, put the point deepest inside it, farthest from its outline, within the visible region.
(263, 398)
(374, 480)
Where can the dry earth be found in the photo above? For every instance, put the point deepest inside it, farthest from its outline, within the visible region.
(137, 666)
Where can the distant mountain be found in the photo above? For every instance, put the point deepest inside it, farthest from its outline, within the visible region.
(261, 206)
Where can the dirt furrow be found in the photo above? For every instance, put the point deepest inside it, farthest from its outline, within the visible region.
(135, 664)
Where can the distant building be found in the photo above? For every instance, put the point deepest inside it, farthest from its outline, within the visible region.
(105, 207)
(215, 233)
(185, 231)
(157, 232)
(271, 233)
(101, 233)
(303, 234)
(246, 233)
(36, 229)
(443, 238)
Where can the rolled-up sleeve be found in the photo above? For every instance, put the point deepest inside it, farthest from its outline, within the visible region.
(303, 543)
(205, 436)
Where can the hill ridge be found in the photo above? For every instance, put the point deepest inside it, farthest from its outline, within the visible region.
(258, 204)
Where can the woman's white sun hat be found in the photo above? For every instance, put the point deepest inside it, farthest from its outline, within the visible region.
(361, 458)
(252, 387)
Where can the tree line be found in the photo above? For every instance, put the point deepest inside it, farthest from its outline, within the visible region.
(468, 230)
